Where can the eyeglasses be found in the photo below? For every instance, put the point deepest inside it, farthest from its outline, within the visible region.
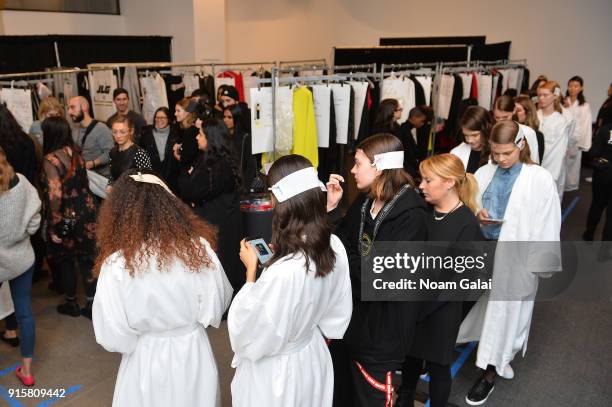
(399, 109)
(161, 118)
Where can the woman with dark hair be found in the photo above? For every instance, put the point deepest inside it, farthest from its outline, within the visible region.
(69, 214)
(279, 323)
(519, 207)
(212, 187)
(389, 209)
(388, 113)
(126, 154)
(580, 140)
(237, 118)
(17, 145)
(160, 286)
(605, 111)
(475, 125)
(157, 141)
(19, 219)
(504, 109)
(185, 148)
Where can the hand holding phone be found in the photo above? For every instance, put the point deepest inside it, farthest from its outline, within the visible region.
(262, 249)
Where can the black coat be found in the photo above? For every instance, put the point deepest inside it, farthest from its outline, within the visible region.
(167, 169)
(213, 193)
(411, 161)
(380, 333)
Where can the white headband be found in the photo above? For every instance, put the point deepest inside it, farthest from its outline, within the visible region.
(151, 179)
(390, 160)
(296, 183)
(519, 140)
(557, 91)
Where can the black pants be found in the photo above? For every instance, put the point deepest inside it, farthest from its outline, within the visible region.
(70, 267)
(440, 381)
(365, 395)
(602, 199)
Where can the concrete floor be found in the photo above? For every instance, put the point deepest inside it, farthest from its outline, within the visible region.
(568, 362)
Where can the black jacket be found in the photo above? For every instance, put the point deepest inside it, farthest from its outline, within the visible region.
(167, 169)
(380, 333)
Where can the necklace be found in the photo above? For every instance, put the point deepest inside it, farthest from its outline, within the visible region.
(446, 214)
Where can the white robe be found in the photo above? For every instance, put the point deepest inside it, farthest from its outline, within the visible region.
(532, 140)
(556, 137)
(580, 141)
(533, 214)
(276, 327)
(463, 151)
(157, 320)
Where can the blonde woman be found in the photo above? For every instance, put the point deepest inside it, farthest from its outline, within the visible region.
(526, 113)
(49, 107)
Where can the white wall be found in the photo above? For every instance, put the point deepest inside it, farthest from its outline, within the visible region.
(559, 38)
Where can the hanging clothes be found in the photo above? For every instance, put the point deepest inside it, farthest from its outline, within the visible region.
(154, 95)
(466, 84)
(19, 103)
(322, 101)
(59, 80)
(130, 83)
(207, 84)
(474, 90)
(102, 84)
(285, 107)
(419, 93)
(191, 82)
(446, 84)
(453, 119)
(485, 88)
(401, 89)
(262, 137)
(328, 156)
(360, 90)
(341, 96)
(249, 82)
(364, 125)
(427, 85)
(238, 83)
(304, 125)
(175, 90)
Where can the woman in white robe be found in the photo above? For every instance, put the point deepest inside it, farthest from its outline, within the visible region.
(157, 292)
(475, 125)
(279, 323)
(501, 319)
(582, 134)
(556, 133)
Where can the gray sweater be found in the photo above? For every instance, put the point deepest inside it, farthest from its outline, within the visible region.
(98, 144)
(19, 218)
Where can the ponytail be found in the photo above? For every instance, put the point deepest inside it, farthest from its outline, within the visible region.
(467, 190)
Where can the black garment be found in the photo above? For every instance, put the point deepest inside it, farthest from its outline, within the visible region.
(364, 393)
(604, 113)
(440, 381)
(541, 143)
(473, 162)
(175, 89)
(364, 125)
(137, 120)
(423, 141)
(452, 126)
(213, 193)
(207, 84)
(132, 157)
(419, 92)
(167, 169)
(22, 156)
(70, 266)
(329, 158)
(189, 145)
(602, 184)
(247, 161)
(380, 333)
(525, 84)
(411, 161)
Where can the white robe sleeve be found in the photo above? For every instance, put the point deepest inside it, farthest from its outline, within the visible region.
(110, 322)
(335, 321)
(215, 293)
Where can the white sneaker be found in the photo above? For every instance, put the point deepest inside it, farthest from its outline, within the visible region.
(508, 372)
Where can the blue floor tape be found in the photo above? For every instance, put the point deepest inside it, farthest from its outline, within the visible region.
(53, 400)
(570, 208)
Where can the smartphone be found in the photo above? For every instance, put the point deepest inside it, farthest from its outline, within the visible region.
(262, 250)
(494, 220)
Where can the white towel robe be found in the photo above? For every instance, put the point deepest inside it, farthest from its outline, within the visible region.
(533, 214)
(463, 151)
(556, 137)
(157, 320)
(582, 138)
(276, 327)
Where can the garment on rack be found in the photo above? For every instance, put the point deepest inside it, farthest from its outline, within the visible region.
(207, 84)
(285, 108)
(19, 103)
(222, 81)
(401, 89)
(419, 93)
(322, 100)
(375, 98)
(101, 86)
(130, 83)
(513, 79)
(249, 82)
(82, 89)
(453, 118)
(304, 125)
(341, 96)
(441, 106)
(59, 88)
(328, 156)
(360, 90)
(496, 86)
(43, 91)
(474, 91)
(364, 125)
(525, 81)
(466, 82)
(427, 84)
(154, 95)
(175, 90)
(191, 82)
(262, 135)
(238, 83)
(485, 87)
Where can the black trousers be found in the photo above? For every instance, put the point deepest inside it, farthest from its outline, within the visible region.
(365, 395)
(70, 267)
(602, 200)
(440, 381)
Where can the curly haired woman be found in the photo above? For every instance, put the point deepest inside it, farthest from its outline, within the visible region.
(159, 286)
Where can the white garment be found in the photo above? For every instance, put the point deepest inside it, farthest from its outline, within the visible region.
(131, 84)
(556, 133)
(321, 95)
(360, 90)
(495, 81)
(442, 102)
(485, 87)
(532, 140)
(582, 136)
(401, 89)
(341, 98)
(153, 94)
(262, 139)
(466, 83)
(157, 320)
(505, 73)
(284, 119)
(427, 84)
(533, 214)
(191, 82)
(101, 87)
(19, 103)
(513, 79)
(277, 327)
(248, 82)
(463, 151)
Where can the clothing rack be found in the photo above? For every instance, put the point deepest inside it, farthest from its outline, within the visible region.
(25, 82)
(51, 72)
(284, 64)
(369, 67)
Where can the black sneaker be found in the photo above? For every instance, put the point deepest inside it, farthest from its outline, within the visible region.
(70, 308)
(86, 310)
(480, 392)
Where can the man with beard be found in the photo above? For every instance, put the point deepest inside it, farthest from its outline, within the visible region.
(94, 138)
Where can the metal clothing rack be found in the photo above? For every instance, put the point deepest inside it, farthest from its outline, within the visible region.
(285, 64)
(368, 67)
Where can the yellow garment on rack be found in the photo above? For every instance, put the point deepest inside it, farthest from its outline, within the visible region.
(305, 126)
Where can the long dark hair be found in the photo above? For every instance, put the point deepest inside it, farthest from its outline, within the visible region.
(56, 134)
(477, 118)
(11, 133)
(385, 114)
(300, 224)
(580, 97)
(242, 119)
(219, 147)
